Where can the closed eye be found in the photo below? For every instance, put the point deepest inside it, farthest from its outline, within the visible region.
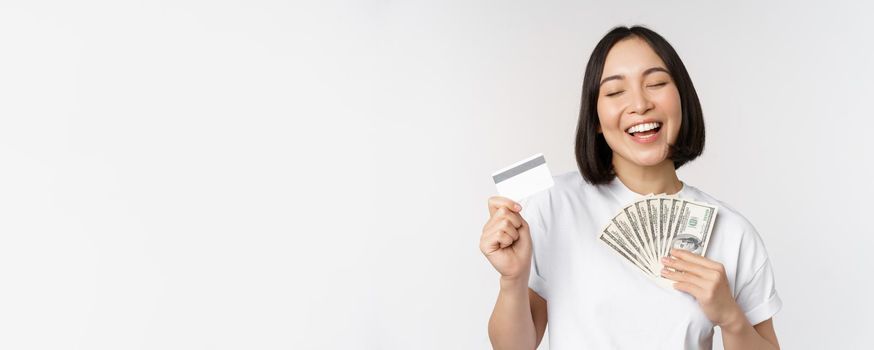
(621, 91)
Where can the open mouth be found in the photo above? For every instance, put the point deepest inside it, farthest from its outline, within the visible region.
(644, 131)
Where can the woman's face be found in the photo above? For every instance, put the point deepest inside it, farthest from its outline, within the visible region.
(638, 104)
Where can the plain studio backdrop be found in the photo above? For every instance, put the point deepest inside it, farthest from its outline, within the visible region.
(275, 175)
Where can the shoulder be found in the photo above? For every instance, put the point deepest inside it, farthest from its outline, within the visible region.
(567, 184)
(542, 205)
(569, 179)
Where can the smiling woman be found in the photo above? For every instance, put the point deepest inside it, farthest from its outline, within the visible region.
(640, 120)
(633, 71)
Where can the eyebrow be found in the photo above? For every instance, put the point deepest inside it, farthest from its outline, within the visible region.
(648, 71)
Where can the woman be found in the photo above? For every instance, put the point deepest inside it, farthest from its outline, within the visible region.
(553, 267)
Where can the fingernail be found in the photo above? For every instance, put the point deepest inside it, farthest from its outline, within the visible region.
(518, 207)
(666, 260)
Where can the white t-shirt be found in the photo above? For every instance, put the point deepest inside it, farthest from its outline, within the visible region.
(597, 301)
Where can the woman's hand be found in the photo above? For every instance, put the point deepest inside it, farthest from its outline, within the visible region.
(506, 241)
(705, 280)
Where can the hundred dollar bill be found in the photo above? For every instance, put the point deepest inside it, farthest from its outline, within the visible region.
(694, 225)
(645, 226)
(652, 206)
(664, 211)
(672, 223)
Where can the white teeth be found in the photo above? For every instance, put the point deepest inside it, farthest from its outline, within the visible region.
(643, 127)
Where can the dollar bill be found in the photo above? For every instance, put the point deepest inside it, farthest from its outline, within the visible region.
(694, 225)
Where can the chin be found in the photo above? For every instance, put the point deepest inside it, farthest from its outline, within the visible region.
(649, 162)
(649, 159)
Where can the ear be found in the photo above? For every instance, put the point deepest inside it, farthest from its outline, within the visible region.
(599, 128)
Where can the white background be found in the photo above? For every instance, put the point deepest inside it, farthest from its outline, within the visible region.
(275, 175)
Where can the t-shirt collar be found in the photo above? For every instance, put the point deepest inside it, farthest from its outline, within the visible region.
(626, 194)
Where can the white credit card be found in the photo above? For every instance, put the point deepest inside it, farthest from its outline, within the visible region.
(523, 178)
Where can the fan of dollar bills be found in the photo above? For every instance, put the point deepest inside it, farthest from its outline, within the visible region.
(645, 231)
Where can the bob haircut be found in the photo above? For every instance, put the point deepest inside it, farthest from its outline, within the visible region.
(594, 156)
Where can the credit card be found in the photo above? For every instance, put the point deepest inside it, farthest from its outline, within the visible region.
(523, 178)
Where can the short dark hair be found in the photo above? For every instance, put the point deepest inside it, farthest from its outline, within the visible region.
(594, 156)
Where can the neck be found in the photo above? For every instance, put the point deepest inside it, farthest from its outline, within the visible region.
(659, 178)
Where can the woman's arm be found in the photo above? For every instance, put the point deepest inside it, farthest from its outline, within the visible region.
(512, 325)
(741, 335)
(519, 318)
(705, 280)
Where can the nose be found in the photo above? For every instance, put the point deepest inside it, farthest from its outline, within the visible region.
(640, 102)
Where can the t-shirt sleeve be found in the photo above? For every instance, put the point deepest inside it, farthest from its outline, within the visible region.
(532, 212)
(756, 292)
